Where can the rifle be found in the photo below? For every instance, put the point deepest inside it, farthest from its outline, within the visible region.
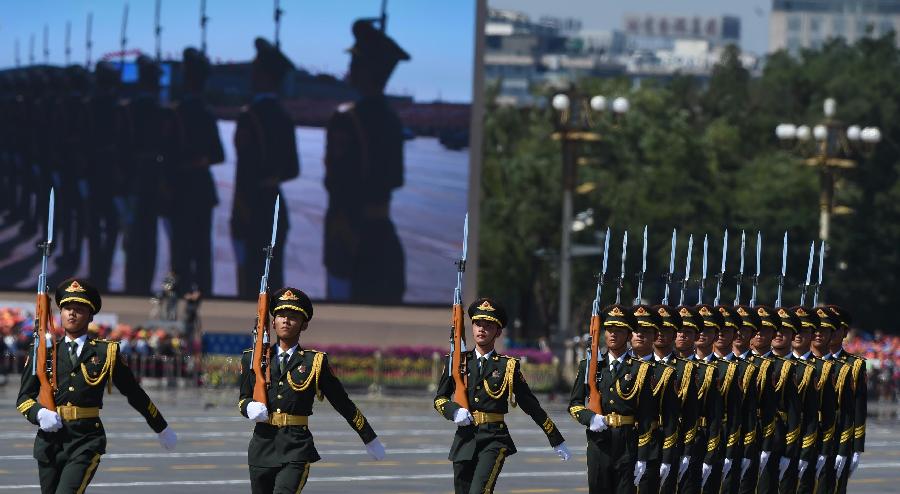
(821, 266)
(43, 322)
(809, 265)
(203, 20)
(640, 288)
(740, 276)
(278, 13)
(622, 272)
(755, 277)
(88, 44)
(721, 276)
(456, 364)
(594, 403)
(259, 357)
(703, 276)
(687, 269)
(670, 276)
(783, 270)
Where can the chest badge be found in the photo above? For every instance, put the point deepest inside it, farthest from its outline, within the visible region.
(495, 374)
(302, 368)
(627, 377)
(95, 360)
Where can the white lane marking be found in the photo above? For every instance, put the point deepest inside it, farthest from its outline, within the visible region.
(312, 479)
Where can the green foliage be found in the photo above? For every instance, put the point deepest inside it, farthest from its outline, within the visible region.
(702, 159)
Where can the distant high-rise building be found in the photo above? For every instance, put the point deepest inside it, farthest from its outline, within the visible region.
(797, 24)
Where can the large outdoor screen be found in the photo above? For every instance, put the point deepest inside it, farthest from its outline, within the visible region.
(390, 221)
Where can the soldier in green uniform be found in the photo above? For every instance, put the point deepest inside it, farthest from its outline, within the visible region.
(363, 166)
(748, 322)
(790, 338)
(618, 438)
(677, 448)
(281, 449)
(706, 454)
(659, 465)
(857, 436)
(482, 441)
(72, 439)
(820, 391)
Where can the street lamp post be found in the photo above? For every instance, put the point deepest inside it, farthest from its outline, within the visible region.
(828, 146)
(573, 122)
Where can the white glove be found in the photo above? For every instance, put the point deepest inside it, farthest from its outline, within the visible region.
(726, 467)
(375, 449)
(854, 462)
(820, 464)
(839, 462)
(563, 451)
(707, 469)
(685, 461)
(782, 467)
(168, 439)
(49, 420)
(664, 472)
(462, 417)
(801, 467)
(257, 412)
(763, 459)
(745, 465)
(598, 423)
(639, 468)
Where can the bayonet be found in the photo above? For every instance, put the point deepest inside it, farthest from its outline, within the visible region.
(383, 21)
(456, 365)
(46, 44)
(593, 353)
(622, 272)
(687, 269)
(123, 39)
(740, 275)
(43, 340)
(784, 248)
(68, 46)
(601, 278)
(203, 20)
(721, 276)
(88, 43)
(31, 49)
(704, 271)
(640, 287)
(821, 267)
(278, 13)
(809, 266)
(16, 49)
(755, 279)
(670, 276)
(157, 31)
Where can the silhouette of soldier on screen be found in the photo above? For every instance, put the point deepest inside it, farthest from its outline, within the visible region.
(363, 165)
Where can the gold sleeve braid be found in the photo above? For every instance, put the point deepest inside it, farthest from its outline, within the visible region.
(712, 444)
(847, 434)
(575, 410)
(25, 406)
(859, 432)
(829, 434)
(670, 441)
(733, 438)
(439, 404)
(750, 438)
(792, 436)
(644, 439)
(809, 440)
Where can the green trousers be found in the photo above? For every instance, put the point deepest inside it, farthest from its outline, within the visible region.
(479, 475)
(68, 475)
(288, 478)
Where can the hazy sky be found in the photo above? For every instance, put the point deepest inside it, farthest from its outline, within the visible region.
(608, 14)
(314, 34)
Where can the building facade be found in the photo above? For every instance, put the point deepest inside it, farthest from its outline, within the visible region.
(799, 24)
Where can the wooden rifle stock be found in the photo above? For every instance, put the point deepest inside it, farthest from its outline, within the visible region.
(259, 349)
(594, 403)
(460, 395)
(48, 384)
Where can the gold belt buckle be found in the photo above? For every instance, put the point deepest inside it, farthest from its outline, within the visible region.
(66, 413)
(614, 420)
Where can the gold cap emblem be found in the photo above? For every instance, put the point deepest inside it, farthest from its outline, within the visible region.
(762, 312)
(288, 295)
(684, 312)
(742, 312)
(704, 311)
(821, 313)
(486, 306)
(75, 287)
(641, 312)
(663, 312)
(783, 314)
(616, 312)
(801, 312)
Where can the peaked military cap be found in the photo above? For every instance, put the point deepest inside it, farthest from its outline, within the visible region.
(289, 298)
(749, 317)
(78, 290)
(712, 319)
(376, 50)
(620, 316)
(827, 318)
(195, 63)
(730, 317)
(807, 317)
(768, 317)
(646, 318)
(668, 316)
(487, 309)
(270, 59)
(690, 318)
(842, 315)
(789, 320)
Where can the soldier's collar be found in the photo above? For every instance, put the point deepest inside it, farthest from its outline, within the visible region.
(727, 357)
(478, 354)
(838, 353)
(290, 351)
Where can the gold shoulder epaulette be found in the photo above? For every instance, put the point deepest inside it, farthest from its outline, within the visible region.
(248, 350)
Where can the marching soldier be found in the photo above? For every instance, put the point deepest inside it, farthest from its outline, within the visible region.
(860, 393)
(618, 438)
(811, 344)
(706, 454)
(192, 183)
(664, 436)
(147, 147)
(71, 440)
(363, 165)
(266, 148)
(281, 449)
(677, 449)
(482, 441)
